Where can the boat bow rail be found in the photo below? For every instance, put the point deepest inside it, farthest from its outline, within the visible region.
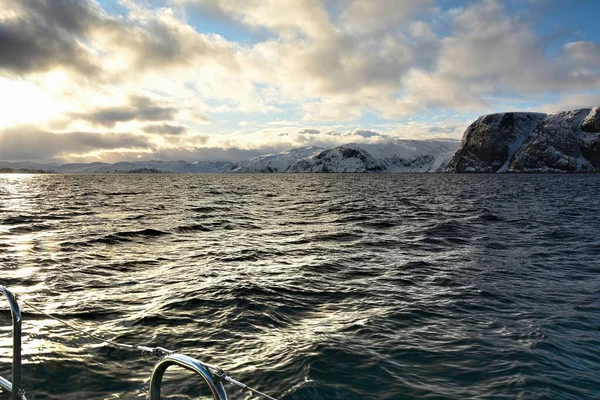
(14, 386)
(189, 363)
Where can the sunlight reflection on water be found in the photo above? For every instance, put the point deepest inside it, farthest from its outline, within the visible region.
(329, 286)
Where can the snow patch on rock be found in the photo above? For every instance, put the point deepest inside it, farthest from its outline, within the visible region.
(566, 141)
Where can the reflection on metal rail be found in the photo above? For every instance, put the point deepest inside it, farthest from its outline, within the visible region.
(14, 387)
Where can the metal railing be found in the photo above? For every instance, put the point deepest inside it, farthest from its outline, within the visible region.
(189, 363)
(14, 386)
(212, 375)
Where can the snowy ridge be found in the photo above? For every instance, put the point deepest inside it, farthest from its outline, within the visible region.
(394, 156)
(567, 141)
(387, 156)
(278, 162)
(126, 167)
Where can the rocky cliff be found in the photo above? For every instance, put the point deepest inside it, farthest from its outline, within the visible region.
(567, 141)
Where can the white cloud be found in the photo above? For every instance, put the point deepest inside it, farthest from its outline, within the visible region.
(286, 17)
(583, 51)
(331, 61)
(493, 54)
(368, 16)
(572, 102)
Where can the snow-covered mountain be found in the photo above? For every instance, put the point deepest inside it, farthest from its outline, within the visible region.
(567, 141)
(159, 166)
(126, 167)
(390, 156)
(387, 156)
(278, 162)
(25, 166)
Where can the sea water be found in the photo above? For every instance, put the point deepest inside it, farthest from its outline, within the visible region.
(308, 286)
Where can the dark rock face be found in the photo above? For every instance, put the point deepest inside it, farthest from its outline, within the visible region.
(486, 144)
(531, 142)
(553, 145)
(591, 123)
(591, 152)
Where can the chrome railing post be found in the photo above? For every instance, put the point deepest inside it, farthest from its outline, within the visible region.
(189, 363)
(14, 387)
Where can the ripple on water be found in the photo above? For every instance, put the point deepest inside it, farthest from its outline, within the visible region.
(310, 286)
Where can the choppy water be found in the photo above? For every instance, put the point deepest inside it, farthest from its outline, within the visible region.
(309, 286)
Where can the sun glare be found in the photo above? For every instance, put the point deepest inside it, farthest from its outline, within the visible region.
(25, 103)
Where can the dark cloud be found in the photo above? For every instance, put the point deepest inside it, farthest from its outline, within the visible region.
(309, 132)
(165, 129)
(365, 133)
(45, 34)
(27, 142)
(138, 108)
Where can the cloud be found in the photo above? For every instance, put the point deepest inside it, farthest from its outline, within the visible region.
(368, 16)
(491, 54)
(497, 52)
(307, 131)
(587, 53)
(284, 138)
(138, 108)
(312, 59)
(285, 17)
(25, 142)
(157, 39)
(329, 65)
(39, 35)
(366, 133)
(452, 128)
(208, 153)
(572, 102)
(165, 129)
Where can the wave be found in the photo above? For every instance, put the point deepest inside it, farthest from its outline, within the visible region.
(337, 287)
(123, 193)
(30, 228)
(192, 228)
(379, 224)
(250, 255)
(148, 232)
(337, 237)
(125, 236)
(18, 219)
(135, 217)
(207, 209)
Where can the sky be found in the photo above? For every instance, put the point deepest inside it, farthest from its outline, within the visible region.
(124, 80)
